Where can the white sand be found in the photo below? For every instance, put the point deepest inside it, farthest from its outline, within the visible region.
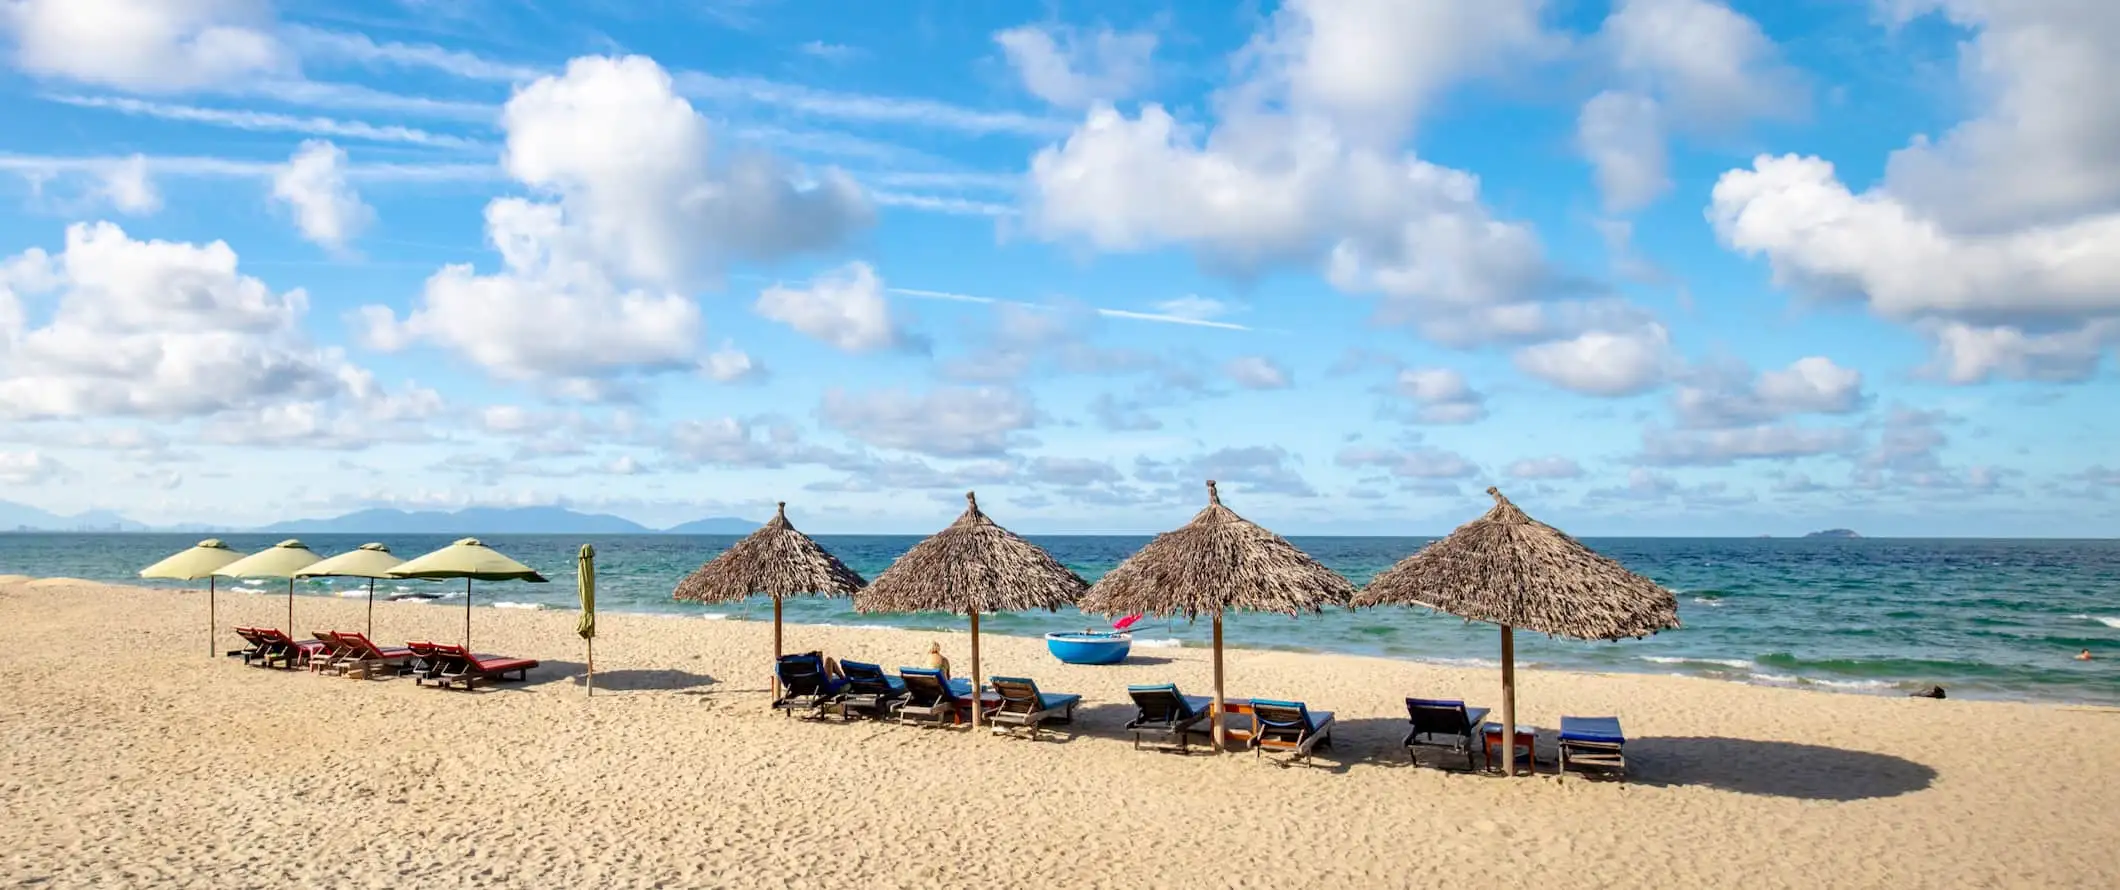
(132, 758)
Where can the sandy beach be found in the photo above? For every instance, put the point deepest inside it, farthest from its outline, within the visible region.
(132, 759)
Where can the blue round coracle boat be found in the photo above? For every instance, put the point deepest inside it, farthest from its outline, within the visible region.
(1089, 647)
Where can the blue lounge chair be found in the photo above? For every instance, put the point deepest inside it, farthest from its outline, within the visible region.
(1289, 726)
(804, 686)
(1161, 711)
(1593, 741)
(868, 690)
(1024, 707)
(1446, 724)
(928, 698)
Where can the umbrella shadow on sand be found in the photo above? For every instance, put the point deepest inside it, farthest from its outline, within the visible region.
(618, 680)
(1775, 769)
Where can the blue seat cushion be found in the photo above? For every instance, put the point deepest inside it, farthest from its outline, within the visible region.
(1602, 730)
(1052, 702)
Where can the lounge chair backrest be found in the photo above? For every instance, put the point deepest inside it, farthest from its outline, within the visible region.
(925, 687)
(865, 679)
(1160, 703)
(1280, 720)
(1438, 717)
(801, 674)
(360, 644)
(1019, 695)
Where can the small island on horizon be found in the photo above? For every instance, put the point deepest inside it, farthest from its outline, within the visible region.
(1834, 533)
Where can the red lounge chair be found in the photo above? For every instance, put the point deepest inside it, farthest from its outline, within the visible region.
(459, 666)
(255, 645)
(359, 653)
(282, 648)
(328, 652)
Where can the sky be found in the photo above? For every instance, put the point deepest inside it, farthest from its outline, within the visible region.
(1651, 267)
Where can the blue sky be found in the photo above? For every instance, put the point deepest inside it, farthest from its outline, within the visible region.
(1650, 266)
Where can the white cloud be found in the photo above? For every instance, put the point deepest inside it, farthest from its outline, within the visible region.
(129, 188)
(1071, 68)
(1256, 372)
(327, 211)
(1442, 396)
(592, 284)
(317, 44)
(629, 160)
(1679, 64)
(144, 45)
(1622, 135)
(1732, 397)
(1550, 467)
(1721, 447)
(547, 314)
(1194, 307)
(29, 468)
(951, 421)
(1603, 363)
(730, 365)
(2034, 154)
(844, 308)
(270, 122)
(1995, 302)
(809, 101)
(1416, 463)
(153, 328)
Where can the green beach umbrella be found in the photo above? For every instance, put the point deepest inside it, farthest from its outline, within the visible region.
(280, 560)
(201, 560)
(472, 561)
(587, 628)
(370, 561)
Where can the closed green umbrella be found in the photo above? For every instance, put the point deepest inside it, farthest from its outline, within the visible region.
(472, 561)
(280, 560)
(587, 628)
(370, 561)
(199, 561)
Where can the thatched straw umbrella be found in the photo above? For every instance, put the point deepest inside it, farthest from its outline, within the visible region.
(1216, 563)
(972, 566)
(777, 561)
(1509, 569)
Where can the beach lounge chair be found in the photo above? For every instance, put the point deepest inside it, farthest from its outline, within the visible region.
(1024, 707)
(426, 662)
(804, 686)
(1445, 724)
(255, 645)
(327, 653)
(1289, 726)
(928, 698)
(1163, 713)
(1593, 741)
(282, 649)
(457, 665)
(360, 654)
(868, 690)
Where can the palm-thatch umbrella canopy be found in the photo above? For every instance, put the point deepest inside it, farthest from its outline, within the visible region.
(1216, 563)
(200, 560)
(972, 566)
(470, 560)
(370, 561)
(1509, 569)
(776, 561)
(280, 560)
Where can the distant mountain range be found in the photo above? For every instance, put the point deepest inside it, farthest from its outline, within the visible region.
(473, 521)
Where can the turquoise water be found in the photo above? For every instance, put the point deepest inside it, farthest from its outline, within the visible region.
(1989, 619)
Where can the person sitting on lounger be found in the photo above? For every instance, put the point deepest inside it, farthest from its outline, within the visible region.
(937, 662)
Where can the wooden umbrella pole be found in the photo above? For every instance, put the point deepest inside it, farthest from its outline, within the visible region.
(1508, 701)
(290, 607)
(978, 680)
(467, 615)
(777, 651)
(1215, 713)
(371, 608)
(213, 620)
(591, 682)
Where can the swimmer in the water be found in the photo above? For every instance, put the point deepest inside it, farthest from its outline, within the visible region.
(2084, 655)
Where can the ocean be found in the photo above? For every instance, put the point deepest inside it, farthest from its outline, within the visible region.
(1983, 618)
